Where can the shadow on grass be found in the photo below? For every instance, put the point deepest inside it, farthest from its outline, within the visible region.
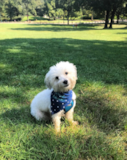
(14, 97)
(61, 27)
(24, 63)
(122, 33)
(56, 27)
(21, 116)
(104, 111)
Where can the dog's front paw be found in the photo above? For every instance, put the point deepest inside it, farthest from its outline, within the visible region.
(75, 122)
(57, 129)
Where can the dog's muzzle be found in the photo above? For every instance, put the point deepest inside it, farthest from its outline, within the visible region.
(65, 82)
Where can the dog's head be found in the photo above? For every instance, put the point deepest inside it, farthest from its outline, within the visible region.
(61, 77)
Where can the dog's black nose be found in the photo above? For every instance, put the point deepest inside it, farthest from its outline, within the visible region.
(65, 82)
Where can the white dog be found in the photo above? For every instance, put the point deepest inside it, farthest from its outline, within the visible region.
(58, 99)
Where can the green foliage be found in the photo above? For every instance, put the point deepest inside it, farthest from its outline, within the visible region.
(61, 8)
(34, 18)
(11, 9)
(50, 8)
(29, 7)
(60, 13)
(70, 7)
(40, 7)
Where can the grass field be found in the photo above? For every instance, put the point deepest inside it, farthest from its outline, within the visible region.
(26, 53)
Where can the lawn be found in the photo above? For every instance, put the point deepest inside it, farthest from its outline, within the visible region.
(26, 53)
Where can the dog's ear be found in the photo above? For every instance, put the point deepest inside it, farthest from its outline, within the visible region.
(47, 81)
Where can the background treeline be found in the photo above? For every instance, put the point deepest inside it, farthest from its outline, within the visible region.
(64, 9)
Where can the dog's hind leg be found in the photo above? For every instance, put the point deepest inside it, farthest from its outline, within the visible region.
(39, 115)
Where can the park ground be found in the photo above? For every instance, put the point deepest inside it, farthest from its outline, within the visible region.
(26, 53)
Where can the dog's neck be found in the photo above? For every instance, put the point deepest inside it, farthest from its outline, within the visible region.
(61, 101)
(61, 91)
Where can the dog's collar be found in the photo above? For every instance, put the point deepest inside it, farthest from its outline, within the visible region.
(61, 101)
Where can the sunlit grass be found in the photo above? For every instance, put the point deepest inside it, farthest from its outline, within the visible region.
(26, 53)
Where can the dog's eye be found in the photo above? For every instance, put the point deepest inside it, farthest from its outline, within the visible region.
(57, 77)
(66, 73)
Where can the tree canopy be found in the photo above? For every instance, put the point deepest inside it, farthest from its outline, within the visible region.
(64, 9)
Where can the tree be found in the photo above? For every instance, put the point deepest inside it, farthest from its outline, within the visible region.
(108, 6)
(1, 4)
(121, 11)
(29, 7)
(60, 13)
(2, 7)
(50, 8)
(118, 13)
(125, 9)
(116, 5)
(11, 8)
(40, 5)
(101, 6)
(69, 6)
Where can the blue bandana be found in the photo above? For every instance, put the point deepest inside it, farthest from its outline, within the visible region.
(61, 101)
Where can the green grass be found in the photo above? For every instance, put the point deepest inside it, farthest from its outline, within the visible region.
(26, 53)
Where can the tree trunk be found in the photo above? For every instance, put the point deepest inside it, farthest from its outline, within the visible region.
(92, 16)
(10, 18)
(112, 18)
(68, 17)
(27, 18)
(27, 12)
(63, 17)
(106, 19)
(118, 16)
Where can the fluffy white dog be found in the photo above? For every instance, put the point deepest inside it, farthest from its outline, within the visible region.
(58, 99)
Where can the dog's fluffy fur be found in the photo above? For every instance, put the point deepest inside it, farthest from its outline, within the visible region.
(54, 79)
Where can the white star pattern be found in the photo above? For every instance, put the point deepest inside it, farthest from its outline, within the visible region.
(59, 102)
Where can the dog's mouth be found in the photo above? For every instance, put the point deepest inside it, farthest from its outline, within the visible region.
(66, 85)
